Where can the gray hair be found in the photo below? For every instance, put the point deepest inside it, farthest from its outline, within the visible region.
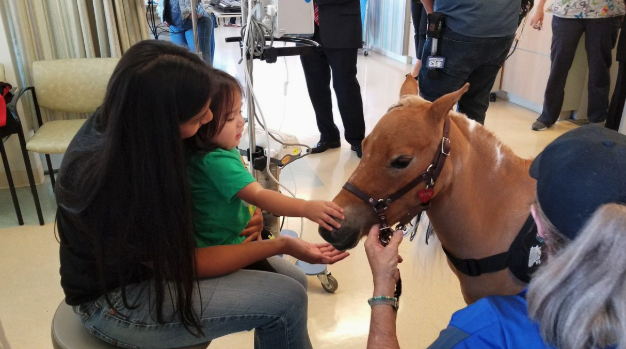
(579, 298)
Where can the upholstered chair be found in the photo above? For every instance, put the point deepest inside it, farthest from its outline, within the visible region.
(65, 85)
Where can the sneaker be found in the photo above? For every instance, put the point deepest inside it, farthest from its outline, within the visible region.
(539, 126)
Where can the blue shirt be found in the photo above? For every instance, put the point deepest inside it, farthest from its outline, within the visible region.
(492, 322)
(480, 18)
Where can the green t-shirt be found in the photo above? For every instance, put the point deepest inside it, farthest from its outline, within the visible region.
(219, 215)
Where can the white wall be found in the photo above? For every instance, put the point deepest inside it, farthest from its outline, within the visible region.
(14, 153)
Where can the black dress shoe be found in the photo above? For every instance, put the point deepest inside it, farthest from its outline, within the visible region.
(324, 146)
(358, 150)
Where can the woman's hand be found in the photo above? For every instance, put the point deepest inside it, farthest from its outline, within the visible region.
(536, 18)
(313, 253)
(322, 213)
(254, 227)
(383, 261)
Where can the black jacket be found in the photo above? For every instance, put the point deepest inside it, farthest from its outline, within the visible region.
(340, 23)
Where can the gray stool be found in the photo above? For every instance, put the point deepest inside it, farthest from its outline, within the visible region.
(69, 333)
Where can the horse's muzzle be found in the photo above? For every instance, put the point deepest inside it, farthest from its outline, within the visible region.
(342, 238)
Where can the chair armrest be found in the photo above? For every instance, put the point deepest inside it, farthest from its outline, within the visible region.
(16, 97)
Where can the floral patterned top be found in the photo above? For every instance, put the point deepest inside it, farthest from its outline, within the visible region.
(587, 8)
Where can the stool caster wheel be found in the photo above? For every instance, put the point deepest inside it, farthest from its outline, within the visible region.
(329, 283)
(492, 97)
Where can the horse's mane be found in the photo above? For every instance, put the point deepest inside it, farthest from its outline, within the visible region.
(476, 134)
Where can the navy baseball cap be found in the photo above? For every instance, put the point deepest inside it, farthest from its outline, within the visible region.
(578, 172)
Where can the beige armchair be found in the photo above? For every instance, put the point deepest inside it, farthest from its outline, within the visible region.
(65, 85)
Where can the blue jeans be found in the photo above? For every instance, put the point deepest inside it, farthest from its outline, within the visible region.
(272, 304)
(183, 36)
(468, 59)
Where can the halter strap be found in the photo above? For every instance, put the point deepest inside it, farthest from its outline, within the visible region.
(516, 258)
(429, 176)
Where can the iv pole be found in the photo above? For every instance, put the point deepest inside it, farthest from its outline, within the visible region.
(194, 24)
(248, 65)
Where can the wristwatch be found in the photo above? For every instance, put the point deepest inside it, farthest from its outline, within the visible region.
(384, 300)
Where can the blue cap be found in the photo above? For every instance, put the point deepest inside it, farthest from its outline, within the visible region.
(578, 172)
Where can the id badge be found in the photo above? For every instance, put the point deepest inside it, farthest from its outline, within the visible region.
(435, 62)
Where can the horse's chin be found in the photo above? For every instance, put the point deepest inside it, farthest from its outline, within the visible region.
(342, 238)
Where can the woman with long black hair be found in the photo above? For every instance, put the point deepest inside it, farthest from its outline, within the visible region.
(129, 264)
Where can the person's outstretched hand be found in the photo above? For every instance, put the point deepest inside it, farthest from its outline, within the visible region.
(253, 230)
(383, 260)
(313, 253)
(322, 213)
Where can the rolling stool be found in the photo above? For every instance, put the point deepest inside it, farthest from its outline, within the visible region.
(69, 333)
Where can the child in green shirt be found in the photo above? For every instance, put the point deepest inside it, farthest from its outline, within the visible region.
(224, 193)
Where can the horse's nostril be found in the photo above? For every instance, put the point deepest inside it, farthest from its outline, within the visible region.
(326, 234)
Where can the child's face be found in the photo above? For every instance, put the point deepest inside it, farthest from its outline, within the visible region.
(230, 135)
(191, 126)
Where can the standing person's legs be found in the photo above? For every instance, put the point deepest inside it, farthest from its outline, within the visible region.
(274, 305)
(317, 76)
(475, 102)
(177, 36)
(600, 38)
(205, 33)
(566, 33)
(206, 39)
(348, 91)
(616, 108)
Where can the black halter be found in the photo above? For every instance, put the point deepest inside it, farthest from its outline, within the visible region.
(428, 177)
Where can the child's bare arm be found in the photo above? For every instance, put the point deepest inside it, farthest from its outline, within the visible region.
(321, 212)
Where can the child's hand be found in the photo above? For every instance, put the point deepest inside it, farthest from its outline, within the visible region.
(252, 232)
(322, 213)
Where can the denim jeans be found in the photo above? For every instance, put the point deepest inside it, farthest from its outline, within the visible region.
(467, 59)
(272, 304)
(600, 38)
(183, 36)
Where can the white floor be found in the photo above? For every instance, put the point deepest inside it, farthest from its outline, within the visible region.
(29, 279)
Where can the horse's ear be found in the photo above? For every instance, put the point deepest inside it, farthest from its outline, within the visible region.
(409, 87)
(442, 106)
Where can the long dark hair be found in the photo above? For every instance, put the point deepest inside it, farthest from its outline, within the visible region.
(228, 91)
(129, 193)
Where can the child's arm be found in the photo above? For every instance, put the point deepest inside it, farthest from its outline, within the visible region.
(320, 212)
(224, 259)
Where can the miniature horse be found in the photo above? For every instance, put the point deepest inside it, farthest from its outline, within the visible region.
(481, 197)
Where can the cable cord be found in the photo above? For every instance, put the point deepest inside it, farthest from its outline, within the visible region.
(518, 37)
(255, 31)
(247, 31)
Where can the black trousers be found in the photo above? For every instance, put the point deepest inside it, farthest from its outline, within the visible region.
(616, 108)
(341, 62)
(600, 38)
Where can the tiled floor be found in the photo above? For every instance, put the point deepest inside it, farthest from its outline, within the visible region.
(29, 281)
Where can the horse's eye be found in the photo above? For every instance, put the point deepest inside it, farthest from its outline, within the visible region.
(401, 162)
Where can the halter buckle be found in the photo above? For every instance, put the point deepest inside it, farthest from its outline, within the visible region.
(445, 140)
